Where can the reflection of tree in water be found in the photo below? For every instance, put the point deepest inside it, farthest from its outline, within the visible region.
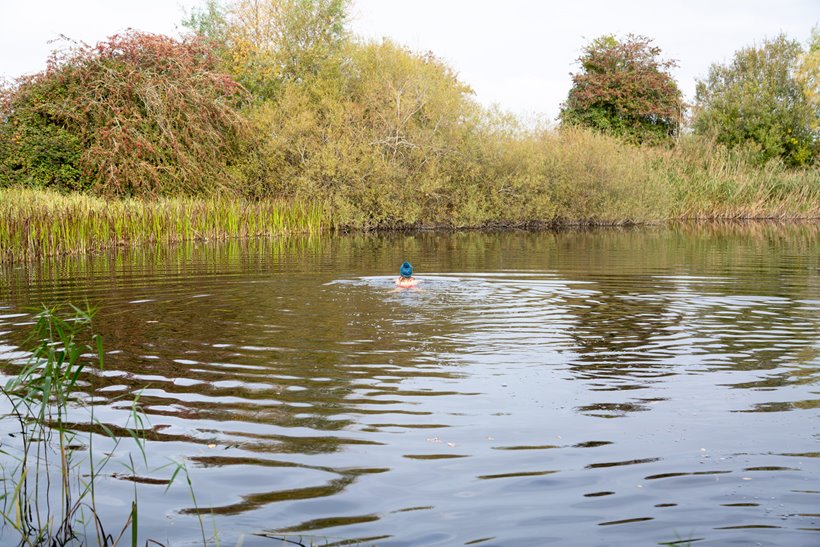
(747, 312)
(247, 342)
(616, 339)
(244, 346)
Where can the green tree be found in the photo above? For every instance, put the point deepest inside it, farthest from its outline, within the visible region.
(767, 98)
(624, 88)
(265, 43)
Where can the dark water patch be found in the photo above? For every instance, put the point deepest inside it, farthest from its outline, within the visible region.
(518, 474)
(141, 479)
(618, 464)
(260, 499)
(329, 522)
(784, 406)
(625, 521)
(598, 494)
(408, 509)
(679, 474)
(477, 541)
(749, 527)
(527, 447)
(435, 456)
(592, 444)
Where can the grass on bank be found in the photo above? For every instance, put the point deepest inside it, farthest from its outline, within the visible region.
(712, 182)
(35, 223)
(533, 178)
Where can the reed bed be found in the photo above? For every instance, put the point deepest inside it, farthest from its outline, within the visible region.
(710, 182)
(40, 223)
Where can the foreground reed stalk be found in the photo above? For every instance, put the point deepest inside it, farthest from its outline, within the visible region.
(49, 469)
(38, 223)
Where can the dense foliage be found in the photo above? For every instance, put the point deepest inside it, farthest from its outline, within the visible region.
(765, 98)
(275, 101)
(266, 43)
(624, 88)
(136, 114)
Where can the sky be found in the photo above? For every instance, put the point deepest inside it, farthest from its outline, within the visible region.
(517, 54)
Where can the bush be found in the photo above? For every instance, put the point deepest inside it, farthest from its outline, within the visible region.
(137, 114)
(371, 139)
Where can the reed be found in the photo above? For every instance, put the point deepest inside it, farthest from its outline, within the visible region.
(50, 470)
(49, 491)
(711, 182)
(39, 223)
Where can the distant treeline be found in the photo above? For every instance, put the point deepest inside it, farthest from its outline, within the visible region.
(276, 99)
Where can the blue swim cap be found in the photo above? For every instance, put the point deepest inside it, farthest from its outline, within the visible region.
(406, 270)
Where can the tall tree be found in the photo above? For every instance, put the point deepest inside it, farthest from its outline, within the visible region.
(766, 97)
(624, 88)
(269, 42)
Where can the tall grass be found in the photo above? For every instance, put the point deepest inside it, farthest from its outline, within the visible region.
(709, 181)
(37, 223)
(49, 493)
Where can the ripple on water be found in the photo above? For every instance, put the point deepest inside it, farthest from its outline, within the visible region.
(541, 387)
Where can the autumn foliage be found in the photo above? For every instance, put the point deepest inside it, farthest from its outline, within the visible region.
(277, 100)
(625, 89)
(134, 115)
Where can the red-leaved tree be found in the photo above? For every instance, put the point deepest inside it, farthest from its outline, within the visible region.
(624, 88)
(136, 114)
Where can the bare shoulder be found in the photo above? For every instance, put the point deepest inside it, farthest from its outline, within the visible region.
(407, 282)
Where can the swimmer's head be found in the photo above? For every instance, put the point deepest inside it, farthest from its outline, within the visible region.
(406, 270)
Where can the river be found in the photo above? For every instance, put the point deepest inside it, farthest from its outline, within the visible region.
(584, 387)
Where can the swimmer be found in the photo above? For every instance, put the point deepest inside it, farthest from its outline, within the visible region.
(406, 280)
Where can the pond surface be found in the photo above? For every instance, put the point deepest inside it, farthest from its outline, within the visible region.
(610, 387)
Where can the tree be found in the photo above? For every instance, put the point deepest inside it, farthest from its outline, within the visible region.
(808, 75)
(136, 114)
(767, 98)
(624, 88)
(265, 43)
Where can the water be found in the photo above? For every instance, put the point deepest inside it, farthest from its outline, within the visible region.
(612, 387)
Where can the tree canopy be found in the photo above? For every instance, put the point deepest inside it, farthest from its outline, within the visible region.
(624, 88)
(136, 114)
(766, 98)
(264, 43)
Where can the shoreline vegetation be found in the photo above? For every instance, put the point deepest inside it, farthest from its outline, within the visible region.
(40, 223)
(294, 126)
(574, 177)
(44, 223)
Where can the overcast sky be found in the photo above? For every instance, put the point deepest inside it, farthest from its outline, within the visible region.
(516, 53)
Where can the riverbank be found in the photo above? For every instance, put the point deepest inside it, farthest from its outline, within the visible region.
(43, 223)
(533, 180)
(38, 223)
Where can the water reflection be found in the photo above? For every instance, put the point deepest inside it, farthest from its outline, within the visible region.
(616, 385)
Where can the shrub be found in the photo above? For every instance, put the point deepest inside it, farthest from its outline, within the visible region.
(136, 114)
